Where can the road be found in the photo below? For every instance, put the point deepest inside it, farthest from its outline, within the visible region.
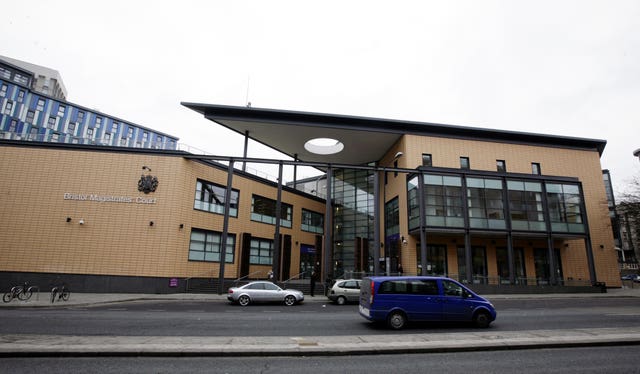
(219, 318)
(594, 360)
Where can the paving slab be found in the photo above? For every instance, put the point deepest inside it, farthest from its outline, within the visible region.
(23, 345)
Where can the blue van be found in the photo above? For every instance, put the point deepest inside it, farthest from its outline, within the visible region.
(398, 300)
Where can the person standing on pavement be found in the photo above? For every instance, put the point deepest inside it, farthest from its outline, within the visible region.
(312, 284)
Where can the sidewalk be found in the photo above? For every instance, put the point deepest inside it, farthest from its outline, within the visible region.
(42, 299)
(16, 345)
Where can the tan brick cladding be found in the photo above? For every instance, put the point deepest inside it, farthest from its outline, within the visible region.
(554, 161)
(116, 237)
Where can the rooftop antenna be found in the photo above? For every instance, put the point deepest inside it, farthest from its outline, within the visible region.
(247, 96)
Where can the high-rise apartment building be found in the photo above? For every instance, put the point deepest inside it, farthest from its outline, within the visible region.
(28, 113)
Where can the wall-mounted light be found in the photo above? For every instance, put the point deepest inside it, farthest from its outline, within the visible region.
(398, 155)
(404, 241)
(145, 167)
(566, 245)
(81, 221)
(150, 223)
(601, 246)
(68, 219)
(181, 226)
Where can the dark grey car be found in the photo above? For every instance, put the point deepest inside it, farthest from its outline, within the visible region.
(263, 292)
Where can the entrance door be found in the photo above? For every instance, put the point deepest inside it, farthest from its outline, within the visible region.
(307, 256)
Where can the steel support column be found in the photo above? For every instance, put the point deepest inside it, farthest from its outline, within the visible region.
(376, 223)
(225, 228)
(423, 233)
(276, 239)
(328, 227)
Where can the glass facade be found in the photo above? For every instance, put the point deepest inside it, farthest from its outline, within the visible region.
(489, 206)
(485, 203)
(525, 206)
(565, 207)
(353, 218)
(443, 201)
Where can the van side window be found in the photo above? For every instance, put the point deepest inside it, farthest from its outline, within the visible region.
(391, 287)
(415, 287)
(425, 287)
(451, 289)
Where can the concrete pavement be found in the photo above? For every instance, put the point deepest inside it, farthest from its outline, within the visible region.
(15, 345)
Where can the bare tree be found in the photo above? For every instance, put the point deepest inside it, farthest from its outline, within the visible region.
(629, 214)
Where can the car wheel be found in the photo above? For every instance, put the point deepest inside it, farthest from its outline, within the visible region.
(289, 300)
(341, 300)
(396, 320)
(244, 300)
(482, 320)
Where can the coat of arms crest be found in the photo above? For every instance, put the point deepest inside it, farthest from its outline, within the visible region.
(147, 183)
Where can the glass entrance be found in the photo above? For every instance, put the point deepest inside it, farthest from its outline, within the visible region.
(307, 256)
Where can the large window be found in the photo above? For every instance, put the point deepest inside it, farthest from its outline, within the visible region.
(264, 210)
(485, 203)
(392, 217)
(205, 246)
(413, 202)
(443, 197)
(525, 205)
(261, 252)
(312, 222)
(565, 209)
(210, 198)
(30, 116)
(8, 107)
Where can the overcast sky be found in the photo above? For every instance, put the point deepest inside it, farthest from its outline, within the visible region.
(555, 67)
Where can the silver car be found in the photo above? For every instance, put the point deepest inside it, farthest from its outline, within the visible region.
(344, 290)
(263, 292)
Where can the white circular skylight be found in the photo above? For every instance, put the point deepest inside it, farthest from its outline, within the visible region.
(323, 146)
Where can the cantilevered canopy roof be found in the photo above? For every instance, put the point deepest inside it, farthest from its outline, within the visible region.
(363, 139)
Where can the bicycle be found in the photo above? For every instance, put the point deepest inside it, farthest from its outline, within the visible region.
(61, 292)
(22, 293)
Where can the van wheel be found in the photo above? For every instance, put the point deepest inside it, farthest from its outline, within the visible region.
(482, 320)
(341, 300)
(396, 320)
